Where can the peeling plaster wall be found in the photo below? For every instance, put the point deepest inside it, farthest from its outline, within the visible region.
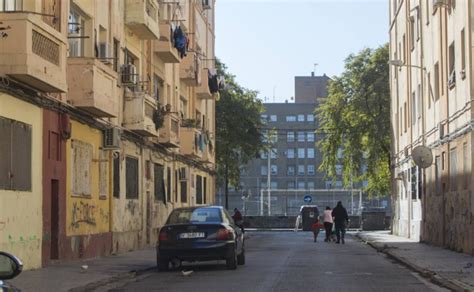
(21, 212)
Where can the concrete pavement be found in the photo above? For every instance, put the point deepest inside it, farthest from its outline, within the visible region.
(445, 267)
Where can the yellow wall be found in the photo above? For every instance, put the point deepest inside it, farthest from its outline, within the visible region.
(21, 212)
(87, 215)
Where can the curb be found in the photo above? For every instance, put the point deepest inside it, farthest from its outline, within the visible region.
(428, 274)
(116, 278)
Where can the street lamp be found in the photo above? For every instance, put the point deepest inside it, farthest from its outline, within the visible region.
(400, 63)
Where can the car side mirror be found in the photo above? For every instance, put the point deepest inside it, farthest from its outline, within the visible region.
(10, 266)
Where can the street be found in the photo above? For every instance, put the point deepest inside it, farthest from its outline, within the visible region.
(288, 261)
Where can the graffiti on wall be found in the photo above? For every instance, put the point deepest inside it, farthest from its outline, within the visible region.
(83, 213)
(24, 241)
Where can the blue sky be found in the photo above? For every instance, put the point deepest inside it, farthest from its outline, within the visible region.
(265, 43)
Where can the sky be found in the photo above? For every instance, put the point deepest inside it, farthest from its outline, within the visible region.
(266, 43)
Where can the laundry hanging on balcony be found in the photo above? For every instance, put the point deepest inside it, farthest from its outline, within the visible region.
(213, 81)
(180, 41)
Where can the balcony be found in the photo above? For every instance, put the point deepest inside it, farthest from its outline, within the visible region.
(92, 86)
(164, 48)
(138, 113)
(190, 70)
(192, 143)
(33, 52)
(203, 91)
(169, 133)
(141, 16)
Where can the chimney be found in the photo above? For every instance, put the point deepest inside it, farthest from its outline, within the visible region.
(312, 74)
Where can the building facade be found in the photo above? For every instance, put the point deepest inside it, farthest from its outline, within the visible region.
(108, 114)
(431, 88)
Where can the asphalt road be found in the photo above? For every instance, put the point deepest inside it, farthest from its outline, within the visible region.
(288, 261)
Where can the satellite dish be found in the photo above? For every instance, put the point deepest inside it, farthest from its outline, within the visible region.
(422, 156)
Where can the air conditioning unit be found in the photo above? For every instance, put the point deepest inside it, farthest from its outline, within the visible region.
(104, 53)
(439, 3)
(206, 4)
(112, 138)
(129, 74)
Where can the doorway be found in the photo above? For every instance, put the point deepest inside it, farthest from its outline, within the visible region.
(54, 219)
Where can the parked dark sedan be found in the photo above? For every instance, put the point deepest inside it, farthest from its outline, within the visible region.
(200, 234)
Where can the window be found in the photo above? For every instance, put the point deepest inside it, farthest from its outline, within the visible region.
(310, 152)
(158, 178)
(290, 170)
(15, 155)
(430, 90)
(300, 169)
(290, 118)
(183, 178)
(131, 176)
(338, 184)
(328, 184)
(273, 153)
(427, 5)
(310, 137)
(263, 185)
(263, 170)
(291, 185)
(273, 118)
(81, 160)
(274, 169)
(452, 65)
(263, 154)
(300, 118)
(116, 170)
(412, 32)
(413, 108)
(311, 185)
(414, 183)
(116, 55)
(301, 136)
(199, 197)
(11, 5)
(274, 185)
(168, 184)
(290, 137)
(291, 153)
(264, 118)
(418, 102)
(453, 171)
(301, 153)
(311, 169)
(76, 33)
(405, 115)
(310, 118)
(338, 169)
(301, 185)
(463, 52)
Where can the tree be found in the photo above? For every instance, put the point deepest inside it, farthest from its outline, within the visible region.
(238, 129)
(355, 119)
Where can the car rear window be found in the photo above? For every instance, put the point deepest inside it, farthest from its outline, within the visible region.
(200, 215)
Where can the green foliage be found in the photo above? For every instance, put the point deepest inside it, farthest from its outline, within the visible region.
(238, 123)
(356, 119)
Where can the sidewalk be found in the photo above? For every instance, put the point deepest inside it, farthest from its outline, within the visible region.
(70, 276)
(445, 267)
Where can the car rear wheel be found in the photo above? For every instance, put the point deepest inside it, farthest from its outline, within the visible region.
(241, 258)
(231, 261)
(163, 264)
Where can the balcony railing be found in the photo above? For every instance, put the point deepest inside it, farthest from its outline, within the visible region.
(92, 86)
(190, 70)
(141, 16)
(139, 111)
(33, 52)
(164, 47)
(169, 133)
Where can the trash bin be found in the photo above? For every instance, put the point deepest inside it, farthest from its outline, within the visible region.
(309, 214)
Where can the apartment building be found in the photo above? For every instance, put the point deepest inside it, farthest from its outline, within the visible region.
(107, 117)
(431, 88)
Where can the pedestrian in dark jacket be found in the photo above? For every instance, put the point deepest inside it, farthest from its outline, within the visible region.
(340, 220)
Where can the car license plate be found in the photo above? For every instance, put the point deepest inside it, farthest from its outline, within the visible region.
(192, 235)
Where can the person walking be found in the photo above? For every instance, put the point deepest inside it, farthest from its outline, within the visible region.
(340, 220)
(328, 222)
(315, 228)
(238, 219)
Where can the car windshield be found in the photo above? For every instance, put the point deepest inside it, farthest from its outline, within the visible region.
(199, 215)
